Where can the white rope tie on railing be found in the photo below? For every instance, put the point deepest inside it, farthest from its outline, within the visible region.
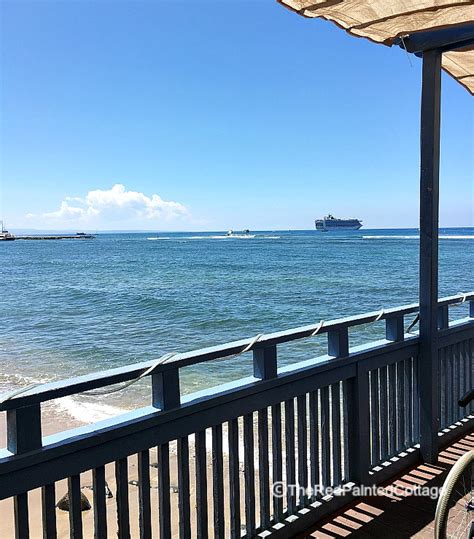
(318, 329)
(160, 361)
(463, 299)
(413, 324)
(17, 392)
(167, 357)
(249, 346)
(379, 316)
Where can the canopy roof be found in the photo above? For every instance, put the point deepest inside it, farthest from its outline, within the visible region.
(386, 21)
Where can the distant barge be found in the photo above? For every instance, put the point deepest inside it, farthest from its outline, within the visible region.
(79, 236)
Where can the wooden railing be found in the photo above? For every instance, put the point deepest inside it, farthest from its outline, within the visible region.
(350, 416)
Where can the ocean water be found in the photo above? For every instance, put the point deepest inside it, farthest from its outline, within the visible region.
(76, 307)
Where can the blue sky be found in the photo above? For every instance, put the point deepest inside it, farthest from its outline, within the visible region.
(212, 115)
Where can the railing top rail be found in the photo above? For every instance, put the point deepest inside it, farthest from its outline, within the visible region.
(71, 386)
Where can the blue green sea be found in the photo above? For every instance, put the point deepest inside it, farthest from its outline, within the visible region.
(76, 307)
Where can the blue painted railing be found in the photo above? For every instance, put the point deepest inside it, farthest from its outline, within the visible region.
(209, 463)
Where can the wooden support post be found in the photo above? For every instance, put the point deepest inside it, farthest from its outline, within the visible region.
(265, 362)
(24, 429)
(358, 425)
(165, 389)
(394, 329)
(23, 435)
(429, 213)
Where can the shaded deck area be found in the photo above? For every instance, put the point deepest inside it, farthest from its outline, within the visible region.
(398, 514)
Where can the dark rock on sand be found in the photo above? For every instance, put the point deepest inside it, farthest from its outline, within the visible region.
(64, 504)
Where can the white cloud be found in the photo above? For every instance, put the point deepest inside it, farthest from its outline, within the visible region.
(104, 206)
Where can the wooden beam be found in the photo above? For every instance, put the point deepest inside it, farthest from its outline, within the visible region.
(444, 38)
(429, 214)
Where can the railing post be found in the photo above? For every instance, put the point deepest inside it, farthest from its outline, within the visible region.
(443, 317)
(23, 435)
(24, 429)
(429, 224)
(394, 328)
(165, 389)
(358, 426)
(338, 342)
(265, 362)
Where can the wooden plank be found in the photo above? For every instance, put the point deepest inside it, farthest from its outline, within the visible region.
(325, 440)
(202, 517)
(234, 484)
(314, 422)
(347, 390)
(48, 511)
(407, 375)
(144, 498)
(458, 331)
(249, 475)
(183, 488)
(467, 369)
(416, 399)
(336, 434)
(450, 375)
(464, 369)
(392, 409)
(471, 360)
(263, 468)
(457, 381)
(22, 525)
(99, 503)
(401, 406)
(374, 417)
(277, 461)
(290, 455)
(75, 518)
(218, 482)
(302, 433)
(383, 413)
(443, 388)
(123, 511)
(163, 452)
(429, 224)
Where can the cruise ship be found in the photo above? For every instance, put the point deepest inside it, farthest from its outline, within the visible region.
(333, 223)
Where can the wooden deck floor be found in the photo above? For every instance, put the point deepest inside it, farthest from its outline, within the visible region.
(396, 514)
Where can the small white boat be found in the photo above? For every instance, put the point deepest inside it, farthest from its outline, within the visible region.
(5, 235)
(244, 234)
